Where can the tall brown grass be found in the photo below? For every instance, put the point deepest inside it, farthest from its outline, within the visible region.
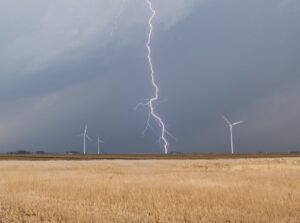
(245, 190)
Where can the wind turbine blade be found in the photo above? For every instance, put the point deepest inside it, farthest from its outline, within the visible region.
(226, 120)
(88, 138)
(99, 140)
(239, 122)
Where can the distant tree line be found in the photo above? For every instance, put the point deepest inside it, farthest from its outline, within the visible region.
(40, 152)
(24, 152)
(20, 152)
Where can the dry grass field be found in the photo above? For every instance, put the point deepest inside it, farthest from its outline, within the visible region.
(235, 191)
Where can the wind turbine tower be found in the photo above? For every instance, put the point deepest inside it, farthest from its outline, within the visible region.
(99, 141)
(231, 130)
(85, 136)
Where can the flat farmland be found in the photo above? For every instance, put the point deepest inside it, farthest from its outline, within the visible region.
(153, 190)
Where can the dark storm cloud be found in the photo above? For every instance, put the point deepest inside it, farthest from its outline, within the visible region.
(211, 57)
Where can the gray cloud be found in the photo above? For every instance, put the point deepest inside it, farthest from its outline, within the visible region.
(64, 64)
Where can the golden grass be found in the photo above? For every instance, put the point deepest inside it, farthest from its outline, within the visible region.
(244, 190)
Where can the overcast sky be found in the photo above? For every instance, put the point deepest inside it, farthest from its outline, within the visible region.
(64, 64)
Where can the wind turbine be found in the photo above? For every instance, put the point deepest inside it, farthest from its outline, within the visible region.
(85, 136)
(99, 141)
(231, 127)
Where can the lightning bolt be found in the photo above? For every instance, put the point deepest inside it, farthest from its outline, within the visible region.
(151, 102)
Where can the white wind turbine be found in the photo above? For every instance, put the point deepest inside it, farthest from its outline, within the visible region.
(231, 127)
(85, 136)
(99, 141)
